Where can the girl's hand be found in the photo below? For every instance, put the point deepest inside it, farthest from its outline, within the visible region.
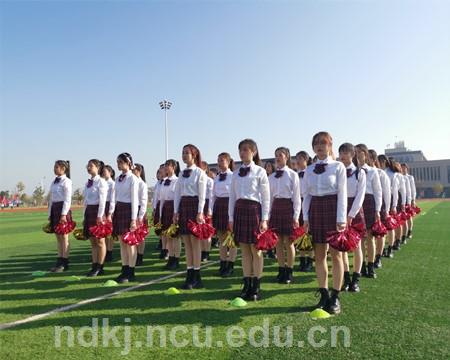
(377, 216)
(230, 226)
(306, 225)
(99, 221)
(63, 219)
(263, 226)
(109, 218)
(349, 220)
(133, 225)
(138, 222)
(296, 224)
(176, 217)
(200, 218)
(394, 211)
(340, 226)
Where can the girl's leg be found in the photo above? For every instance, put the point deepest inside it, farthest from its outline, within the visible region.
(101, 251)
(94, 250)
(188, 250)
(246, 260)
(257, 261)
(196, 245)
(320, 251)
(232, 254)
(290, 251)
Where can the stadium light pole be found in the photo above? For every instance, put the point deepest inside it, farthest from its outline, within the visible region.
(165, 105)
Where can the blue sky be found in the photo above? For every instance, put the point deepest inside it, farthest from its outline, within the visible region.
(82, 80)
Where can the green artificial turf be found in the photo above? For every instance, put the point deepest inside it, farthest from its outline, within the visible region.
(404, 313)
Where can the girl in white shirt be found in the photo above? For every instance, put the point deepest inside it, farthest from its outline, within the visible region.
(401, 204)
(219, 204)
(125, 209)
(139, 172)
(391, 173)
(59, 211)
(413, 194)
(189, 202)
(108, 174)
(356, 190)
(371, 206)
(284, 211)
(303, 160)
(385, 204)
(248, 213)
(156, 205)
(406, 228)
(207, 210)
(324, 210)
(167, 195)
(95, 193)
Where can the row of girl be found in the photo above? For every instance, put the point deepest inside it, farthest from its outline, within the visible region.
(324, 195)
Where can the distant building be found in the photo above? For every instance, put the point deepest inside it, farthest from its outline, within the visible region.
(432, 176)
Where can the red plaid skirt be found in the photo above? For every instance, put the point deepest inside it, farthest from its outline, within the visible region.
(281, 217)
(247, 216)
(359, 217)
(206, 207)
(220, 214)
(369, 210)
(383, 211)
(167, 214)
(188, 211)
(322, 217)
(55, 213)
(156, 217)
(90, 219)
(121, 218)
(107, 205)
(399, 203)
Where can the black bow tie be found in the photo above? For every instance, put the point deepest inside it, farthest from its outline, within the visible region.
(349, 173)
(57, 180)
(187, 173)
(320, 168)
(121, 177)
(365, 170)
(90, 183)
(301, 174)
(279, 173)
(243, 171)
(222, 177)
(167, 182)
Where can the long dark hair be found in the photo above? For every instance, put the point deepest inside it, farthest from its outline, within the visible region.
(98, 164)
(64, 164)
(254, 147)
(287, 153)
(140, 168)
(228, 157)
(195, 153)
(175, 164)
(304, 155)
(126, 157)
(365, 150)
(111, 171)
(327, 136)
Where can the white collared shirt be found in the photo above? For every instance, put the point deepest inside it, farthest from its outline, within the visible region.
(385, 189)
(373, 185)
(156, 193)
(167, 192)
(194, 185)
(395, 185)
(209, 192)
(402, 187)
(408, 189)
(221, 189)
(126, 191)
(356, 188)
(333, 181)
(302, 179)
(111, 185)
(143, 198)
(412, 184)
(286, 186)
(62, 191)
(254, 186)
(96, 194)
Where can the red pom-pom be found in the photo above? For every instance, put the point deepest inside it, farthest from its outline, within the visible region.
(296, 233)
(201, 231)
(347, 240)
(378, 229)
(266, 240)
(101, 231)
(65, 228)
(417, 210)
(360, 228)
(390, 223)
